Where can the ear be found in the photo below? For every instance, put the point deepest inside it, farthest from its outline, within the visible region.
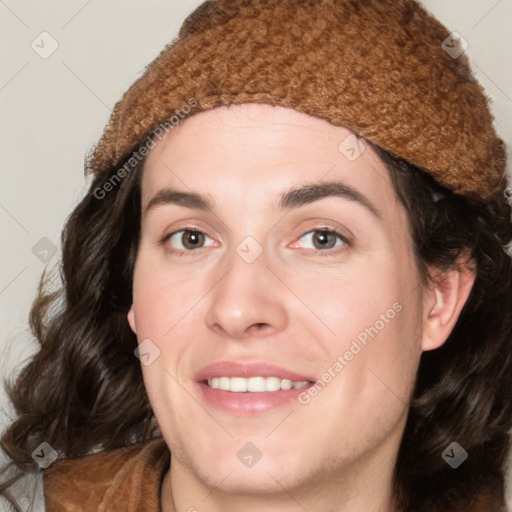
(131, 319)
(443, 302)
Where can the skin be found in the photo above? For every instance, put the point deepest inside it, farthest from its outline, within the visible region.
(291, 307)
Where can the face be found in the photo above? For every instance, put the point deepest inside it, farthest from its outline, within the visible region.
(272, 257)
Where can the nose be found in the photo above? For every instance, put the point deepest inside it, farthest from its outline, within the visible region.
(248, 301)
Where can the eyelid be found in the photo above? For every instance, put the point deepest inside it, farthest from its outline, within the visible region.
(195, 225)
(327, 230)
(328, 225)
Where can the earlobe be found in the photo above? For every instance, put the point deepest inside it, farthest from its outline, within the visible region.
(444, 302)
(131, 319)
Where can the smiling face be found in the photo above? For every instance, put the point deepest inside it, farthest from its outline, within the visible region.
(273, 273)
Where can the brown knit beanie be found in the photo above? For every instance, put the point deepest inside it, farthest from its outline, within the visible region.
(385, 69)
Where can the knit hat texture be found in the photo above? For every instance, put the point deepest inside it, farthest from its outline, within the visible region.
(385, 69)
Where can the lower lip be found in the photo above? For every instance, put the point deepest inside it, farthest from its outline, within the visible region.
(249, 404)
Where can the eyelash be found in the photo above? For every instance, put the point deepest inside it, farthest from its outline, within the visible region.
(325, 253)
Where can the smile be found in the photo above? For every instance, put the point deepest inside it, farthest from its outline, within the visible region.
(254, 384)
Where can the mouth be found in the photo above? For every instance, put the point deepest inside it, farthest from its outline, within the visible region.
(256, 384)
(246, 389)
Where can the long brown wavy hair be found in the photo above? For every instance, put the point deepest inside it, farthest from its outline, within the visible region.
(83, 389)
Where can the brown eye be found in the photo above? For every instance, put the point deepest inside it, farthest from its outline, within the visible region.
(322, 240)
(192, 239)
(186, 240)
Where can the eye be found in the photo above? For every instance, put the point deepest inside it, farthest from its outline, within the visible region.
(325, 239)
(186, 240)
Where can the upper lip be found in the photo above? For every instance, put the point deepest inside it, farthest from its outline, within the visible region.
(248, 369)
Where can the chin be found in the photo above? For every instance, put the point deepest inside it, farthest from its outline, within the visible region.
(245, 464)
(265, 477)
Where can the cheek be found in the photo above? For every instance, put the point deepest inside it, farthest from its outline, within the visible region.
(161, 299)
(162, 305)
(350, 302)
(368, 322)
(166, 305)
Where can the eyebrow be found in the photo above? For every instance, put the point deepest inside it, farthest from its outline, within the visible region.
(296, 197)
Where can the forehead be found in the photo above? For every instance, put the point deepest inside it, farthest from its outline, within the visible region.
(248, 153)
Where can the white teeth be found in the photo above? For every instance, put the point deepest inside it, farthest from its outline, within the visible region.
(254, 384)
(237, 384)
(287, 384)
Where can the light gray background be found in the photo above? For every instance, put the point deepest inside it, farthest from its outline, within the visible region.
(53, 110)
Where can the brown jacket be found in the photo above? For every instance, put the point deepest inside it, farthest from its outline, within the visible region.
(128, 480)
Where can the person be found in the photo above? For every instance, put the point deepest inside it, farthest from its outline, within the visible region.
(287, 286)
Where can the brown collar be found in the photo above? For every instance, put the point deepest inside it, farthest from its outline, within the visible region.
(127, 479)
